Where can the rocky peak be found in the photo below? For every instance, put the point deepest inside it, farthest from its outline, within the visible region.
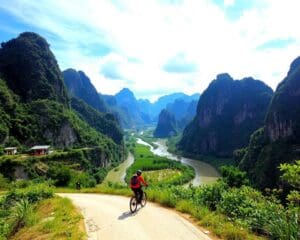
(79, 85)
(294, 65)
(31, 70)
(166, 126)
(283, 117)
(228, 112)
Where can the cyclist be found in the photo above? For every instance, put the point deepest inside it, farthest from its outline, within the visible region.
(136, 185)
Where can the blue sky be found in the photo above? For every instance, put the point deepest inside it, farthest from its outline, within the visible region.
(160, 47)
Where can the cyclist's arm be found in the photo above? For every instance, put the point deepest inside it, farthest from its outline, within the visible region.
(143, 181)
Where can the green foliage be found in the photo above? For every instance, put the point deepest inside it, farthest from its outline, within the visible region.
(4, 183)
(7, 167)
(100, 174)
(16, 207)
(60, 174)
(84, 179)
(21, 215)
(32, 193)
(291, 173)
(210, 195)
(262, 159)
(233, 176)
(103, 123)
(38, 75)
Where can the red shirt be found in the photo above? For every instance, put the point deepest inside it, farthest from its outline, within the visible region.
(138, 185)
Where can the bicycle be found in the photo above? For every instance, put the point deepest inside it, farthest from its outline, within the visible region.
(133, 202)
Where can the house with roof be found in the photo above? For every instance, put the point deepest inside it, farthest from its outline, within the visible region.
(40, 150)
(10, 150)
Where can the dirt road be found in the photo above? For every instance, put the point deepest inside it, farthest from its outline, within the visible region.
(108, 217)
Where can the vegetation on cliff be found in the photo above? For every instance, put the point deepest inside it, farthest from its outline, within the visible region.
(227, 114)
(278, 140)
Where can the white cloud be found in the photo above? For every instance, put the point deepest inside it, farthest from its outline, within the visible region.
(152, 33)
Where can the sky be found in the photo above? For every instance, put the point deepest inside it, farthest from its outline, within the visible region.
(159, 47)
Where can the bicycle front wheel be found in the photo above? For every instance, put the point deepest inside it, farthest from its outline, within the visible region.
(144, 200)
(133, 204)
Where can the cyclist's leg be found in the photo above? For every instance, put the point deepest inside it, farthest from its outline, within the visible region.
(140, 191)
(135, 193)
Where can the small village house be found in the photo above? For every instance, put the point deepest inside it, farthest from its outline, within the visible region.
(10, 150)
(40, 150)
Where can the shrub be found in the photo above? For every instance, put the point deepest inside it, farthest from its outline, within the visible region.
(16, 207)
(84, 179)
(233, 176)
(4, 183)
(284, 224)
(21, 215)
(32, 193)
(210, 195)
(60, 173)
(100, 175)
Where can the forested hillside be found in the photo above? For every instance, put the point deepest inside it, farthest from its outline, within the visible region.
(35, 107)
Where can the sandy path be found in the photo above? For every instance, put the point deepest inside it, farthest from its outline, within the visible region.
(108, 217)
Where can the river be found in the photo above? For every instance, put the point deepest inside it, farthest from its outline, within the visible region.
(204, 173)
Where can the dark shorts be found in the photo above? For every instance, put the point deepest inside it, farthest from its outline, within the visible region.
(138, 192)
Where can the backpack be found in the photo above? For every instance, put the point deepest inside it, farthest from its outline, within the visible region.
(134, 180)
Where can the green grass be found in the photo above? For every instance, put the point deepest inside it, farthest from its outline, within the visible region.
(55, 218)
(165, 175)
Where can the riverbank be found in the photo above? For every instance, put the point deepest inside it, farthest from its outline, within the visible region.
(118, 174)
(204, 172)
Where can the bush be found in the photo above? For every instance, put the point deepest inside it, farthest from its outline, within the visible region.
(32, 193)
(100, 175)
(60, 174)
(233, 176)
(4, 183)
(210, 195)
(16, 207)
(21, 215)
(84, 179)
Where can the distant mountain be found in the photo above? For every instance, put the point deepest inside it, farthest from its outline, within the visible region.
(166, 126)
(130, 109)
(228, 112)
(183, 111)
(145, 107)
(122, 115)
(278, 141)
(31, 70)
(80, 86)
(163, 101)
(136, 113)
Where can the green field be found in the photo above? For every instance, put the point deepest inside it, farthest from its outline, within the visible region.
(174, 172)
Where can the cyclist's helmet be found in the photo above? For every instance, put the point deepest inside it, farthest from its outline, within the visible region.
(139, 172)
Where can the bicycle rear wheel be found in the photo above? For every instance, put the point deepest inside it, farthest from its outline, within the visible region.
(133, 204)
(144, 200)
